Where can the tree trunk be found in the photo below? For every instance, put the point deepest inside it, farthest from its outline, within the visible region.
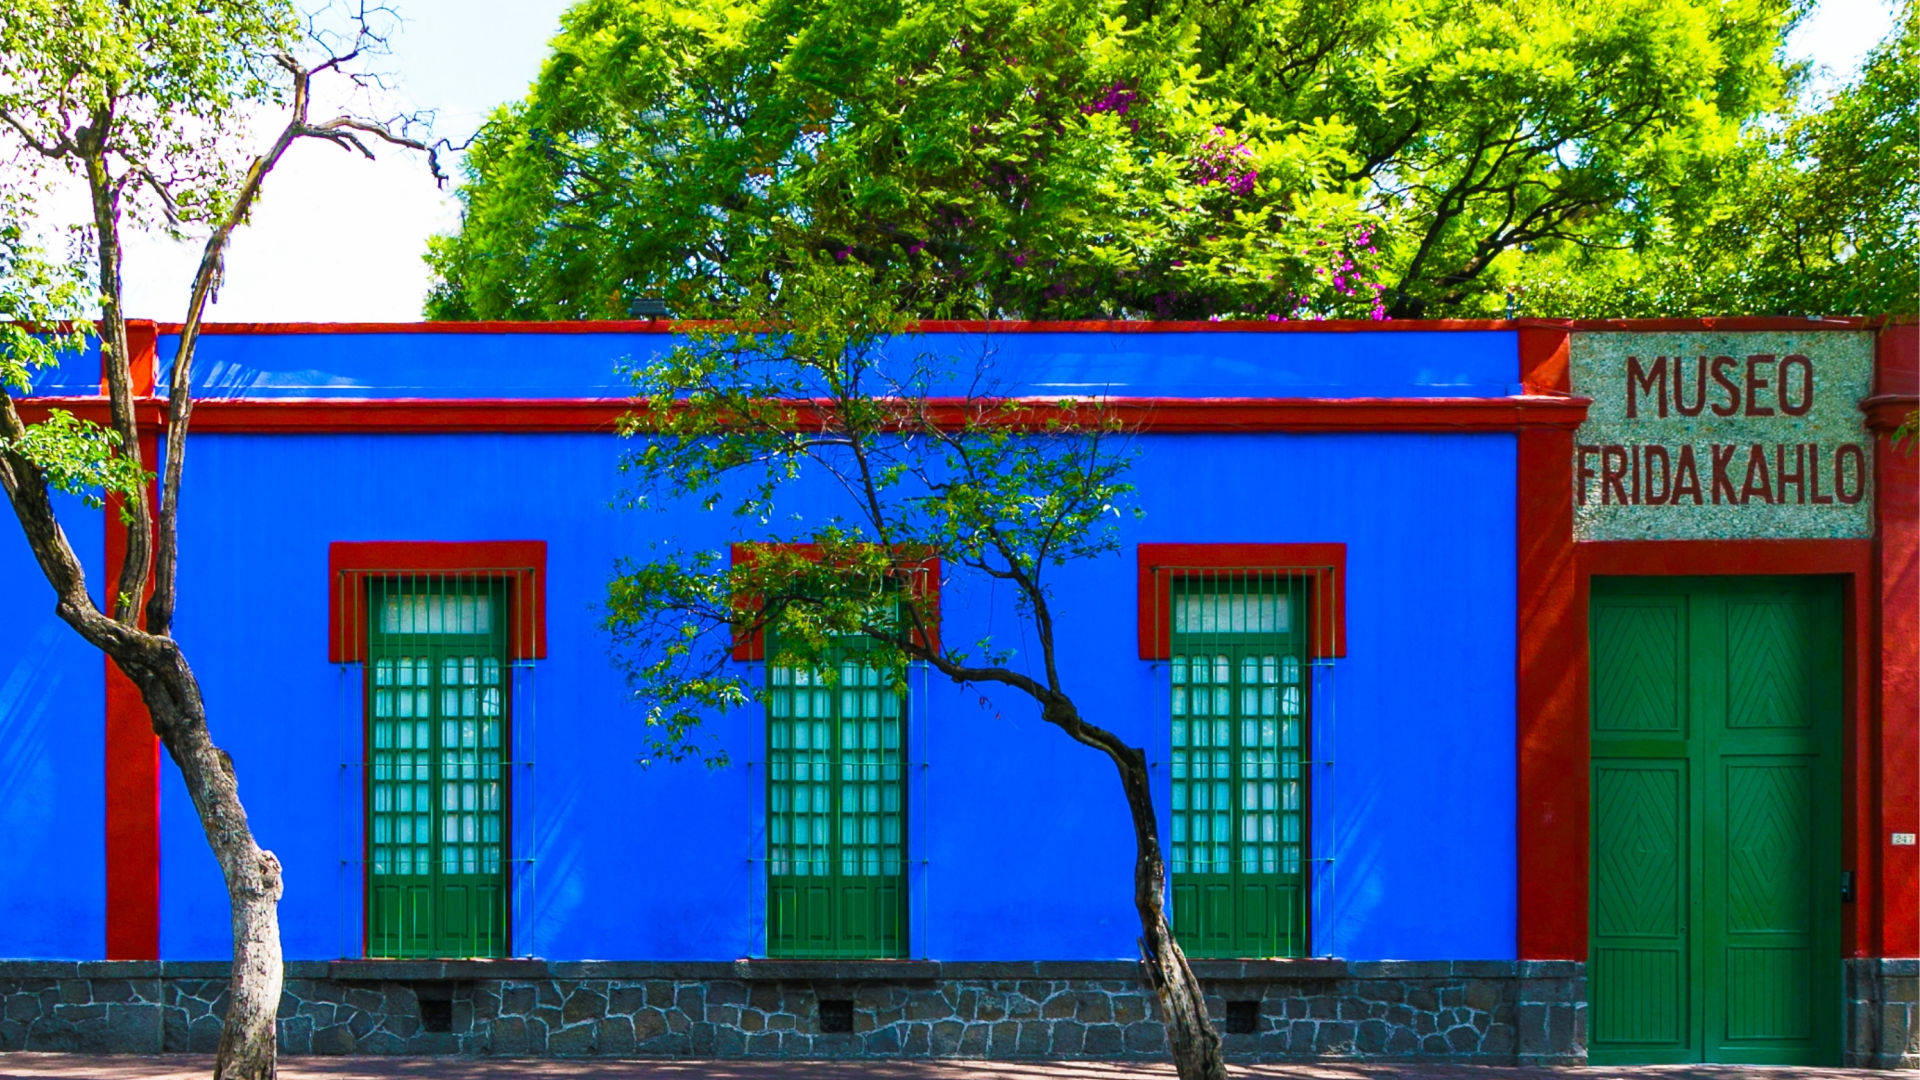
(172, 695)
(1183, 1005)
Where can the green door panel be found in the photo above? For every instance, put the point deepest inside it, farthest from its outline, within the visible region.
(1186, 912)
(401, 921)
(1771, 673)
(1641, 645)
(471, 920)
(1716, 706)
(1219, 926)
(1639, 1000)
(1642, 809)
(1638, 982)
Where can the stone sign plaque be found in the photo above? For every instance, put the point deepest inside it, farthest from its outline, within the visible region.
(1699, 435)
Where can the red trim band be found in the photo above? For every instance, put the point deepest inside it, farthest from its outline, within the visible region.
(1892, 751)
(143, 358)
(1155, 415)
(1158, 564)
(132, 777)
(1102, 326)
(1886, 412)
(523, 563)
(1545, 360)
(1550, 705)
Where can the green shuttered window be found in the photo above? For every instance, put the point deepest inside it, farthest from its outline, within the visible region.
(1238, 685)
(836, 812)
(436, 792)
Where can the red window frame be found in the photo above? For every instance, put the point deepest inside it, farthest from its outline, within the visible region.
(1325, 563)
(522, 563)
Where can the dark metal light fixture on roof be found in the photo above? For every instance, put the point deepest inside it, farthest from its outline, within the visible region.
(647, 307)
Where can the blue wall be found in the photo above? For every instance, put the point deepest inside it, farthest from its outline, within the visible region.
(1022, 832)
(74, 374)
(53, 728)
(1139, 364)
(1018, 837)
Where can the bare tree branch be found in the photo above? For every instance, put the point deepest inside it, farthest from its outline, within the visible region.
(341, 130)
(62, 148)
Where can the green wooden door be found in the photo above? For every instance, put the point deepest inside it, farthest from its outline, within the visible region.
(1237, 842)
(1715, 913)
(436, 786)
(836, 813)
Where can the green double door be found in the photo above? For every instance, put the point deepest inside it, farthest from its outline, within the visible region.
(436, 806)
(1237, 836)
(836, 812)
(1715, 895)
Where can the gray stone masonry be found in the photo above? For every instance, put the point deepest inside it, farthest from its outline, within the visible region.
(1492, 1012)
(1883, 1013)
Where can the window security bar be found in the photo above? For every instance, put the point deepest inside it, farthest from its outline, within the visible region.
(1249, 689)
(437, 739)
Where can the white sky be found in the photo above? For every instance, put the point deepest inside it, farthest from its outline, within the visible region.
(339, 239)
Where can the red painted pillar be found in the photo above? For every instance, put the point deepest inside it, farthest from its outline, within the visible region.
(132, 750)
(1897, 643)
(1551, 675)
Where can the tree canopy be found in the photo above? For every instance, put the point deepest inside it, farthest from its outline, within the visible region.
(1098, 158)
(1817, 215)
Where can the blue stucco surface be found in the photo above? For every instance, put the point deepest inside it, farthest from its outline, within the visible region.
(52, 726)
(1186, 364)
(1018, 839)
(74, 374)
(1020, 842)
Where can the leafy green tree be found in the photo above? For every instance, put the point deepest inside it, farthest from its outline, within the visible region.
(810, 391)
(1487, 130)
(1150, 158)
(1819, 215)
(1010, 158)
(143, 105)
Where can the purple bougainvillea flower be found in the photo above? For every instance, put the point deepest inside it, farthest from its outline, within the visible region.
(1117, 99)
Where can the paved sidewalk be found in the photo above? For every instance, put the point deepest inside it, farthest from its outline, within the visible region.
(22, 1066)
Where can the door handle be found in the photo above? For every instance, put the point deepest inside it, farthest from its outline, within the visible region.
(1846, 886)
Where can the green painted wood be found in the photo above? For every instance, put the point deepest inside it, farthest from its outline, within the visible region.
(1237, 850)
(437, 848)
(836, 813)
(1715, 916)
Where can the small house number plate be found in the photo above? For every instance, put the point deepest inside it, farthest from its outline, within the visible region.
(1903, 839)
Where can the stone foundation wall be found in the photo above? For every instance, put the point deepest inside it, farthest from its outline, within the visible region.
(1484, 1011)
(1883, 1013)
